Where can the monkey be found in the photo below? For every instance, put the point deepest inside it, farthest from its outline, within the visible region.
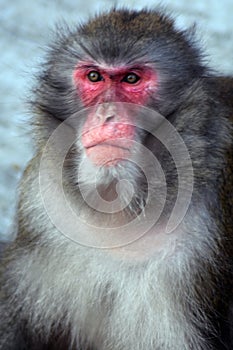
(125, 213)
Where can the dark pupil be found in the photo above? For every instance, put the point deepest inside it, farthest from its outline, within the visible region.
(131, 78)
(94, 76)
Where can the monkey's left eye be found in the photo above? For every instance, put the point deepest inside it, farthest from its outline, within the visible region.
(94, 76)
(131, 78)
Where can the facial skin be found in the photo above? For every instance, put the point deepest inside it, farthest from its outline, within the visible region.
(110, 128)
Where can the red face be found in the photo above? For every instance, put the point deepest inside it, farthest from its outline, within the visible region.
(108, 131)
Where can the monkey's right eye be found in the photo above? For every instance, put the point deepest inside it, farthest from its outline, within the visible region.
(131, 78)
(94, 76)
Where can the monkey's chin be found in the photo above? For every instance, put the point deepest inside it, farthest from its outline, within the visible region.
(107, 154)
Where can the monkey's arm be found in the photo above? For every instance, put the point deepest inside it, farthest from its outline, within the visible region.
(10, 338)
(16, 331)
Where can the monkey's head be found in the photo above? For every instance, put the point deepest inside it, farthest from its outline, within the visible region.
(121, 57)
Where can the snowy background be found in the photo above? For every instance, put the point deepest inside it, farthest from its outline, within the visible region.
(25, 28)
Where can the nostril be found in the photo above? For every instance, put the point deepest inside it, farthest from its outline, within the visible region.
(103, 118)
(109, 118)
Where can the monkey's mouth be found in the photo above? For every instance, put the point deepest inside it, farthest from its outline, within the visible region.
(108, 153)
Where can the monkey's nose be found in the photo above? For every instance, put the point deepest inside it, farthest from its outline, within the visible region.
(105, 112)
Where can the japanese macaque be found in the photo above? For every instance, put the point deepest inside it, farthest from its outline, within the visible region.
(125, 214)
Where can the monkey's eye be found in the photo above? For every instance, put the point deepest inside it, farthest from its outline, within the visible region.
(94, 76)
(131, 78)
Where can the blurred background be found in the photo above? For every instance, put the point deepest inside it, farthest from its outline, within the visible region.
(25, 29)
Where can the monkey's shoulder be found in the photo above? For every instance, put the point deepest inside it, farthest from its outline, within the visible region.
(223, 88)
